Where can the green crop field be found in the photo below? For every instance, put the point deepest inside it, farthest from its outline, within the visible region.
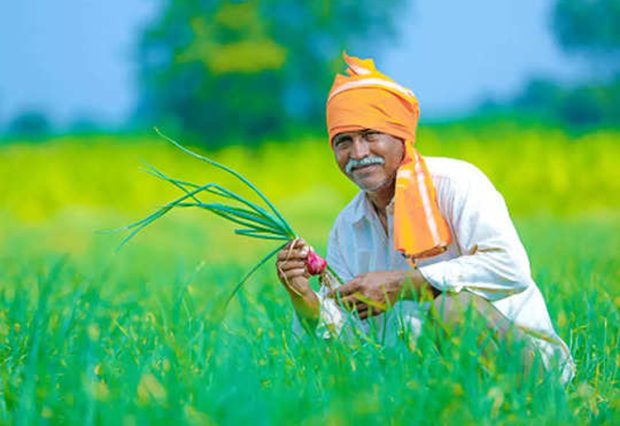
(90, 335)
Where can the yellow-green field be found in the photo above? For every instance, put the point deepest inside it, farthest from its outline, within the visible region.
(91, 335)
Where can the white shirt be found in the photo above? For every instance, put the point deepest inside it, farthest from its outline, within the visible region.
(485, 258)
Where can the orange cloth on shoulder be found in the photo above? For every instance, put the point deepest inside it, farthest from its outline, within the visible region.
(367, 99)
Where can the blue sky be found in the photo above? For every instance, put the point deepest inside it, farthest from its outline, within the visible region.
(73, 58)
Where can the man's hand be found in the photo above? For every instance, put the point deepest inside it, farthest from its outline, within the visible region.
(293, 274)
(291, 266)
(375, 292)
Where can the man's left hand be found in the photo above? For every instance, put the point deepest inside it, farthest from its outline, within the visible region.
(371, 293)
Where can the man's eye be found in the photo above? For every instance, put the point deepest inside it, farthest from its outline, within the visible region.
(341, 143)
(371, 136)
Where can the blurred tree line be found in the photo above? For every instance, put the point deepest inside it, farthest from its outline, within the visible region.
(30, 123)
(590, 29)
(225, 70)
(232, 70)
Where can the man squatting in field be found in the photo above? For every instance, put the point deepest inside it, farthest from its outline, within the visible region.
(420, 225)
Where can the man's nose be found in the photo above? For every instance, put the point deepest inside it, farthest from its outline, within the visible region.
(359, 148)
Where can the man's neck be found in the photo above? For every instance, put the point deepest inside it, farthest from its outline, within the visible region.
(380, 199)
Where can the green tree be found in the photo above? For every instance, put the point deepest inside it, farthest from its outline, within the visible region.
(245, 69)
(29, 124)
(591, 27)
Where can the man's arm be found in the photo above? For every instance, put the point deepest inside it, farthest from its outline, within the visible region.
(375, 292)
(314, 312)
(308, 308)
(293, 274)
(493, 263)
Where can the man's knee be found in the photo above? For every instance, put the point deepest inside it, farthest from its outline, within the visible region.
(466, 312)
(454, 309)
(465, 308)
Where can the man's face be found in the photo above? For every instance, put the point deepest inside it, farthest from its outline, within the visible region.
(368, 157)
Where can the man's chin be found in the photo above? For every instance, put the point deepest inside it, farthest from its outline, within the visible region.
(370, 187)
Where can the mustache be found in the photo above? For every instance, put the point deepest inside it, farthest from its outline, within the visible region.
(366, 161)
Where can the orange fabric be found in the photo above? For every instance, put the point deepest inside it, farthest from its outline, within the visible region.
(367, 99)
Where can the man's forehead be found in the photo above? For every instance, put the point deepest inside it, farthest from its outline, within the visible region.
(353, 133)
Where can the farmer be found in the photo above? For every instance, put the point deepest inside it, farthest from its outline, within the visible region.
(423, 235)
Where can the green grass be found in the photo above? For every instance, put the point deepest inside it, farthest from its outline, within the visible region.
(138, 342)
(88, 335)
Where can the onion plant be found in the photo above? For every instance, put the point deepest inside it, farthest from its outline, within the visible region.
(253, 220)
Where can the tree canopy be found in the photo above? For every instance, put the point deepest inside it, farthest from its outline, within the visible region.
(589, 26)
(591, 29)
(225, 69)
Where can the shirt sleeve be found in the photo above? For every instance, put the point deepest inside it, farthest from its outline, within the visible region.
(493, 262)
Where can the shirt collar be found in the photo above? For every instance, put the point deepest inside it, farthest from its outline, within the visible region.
(364, 209)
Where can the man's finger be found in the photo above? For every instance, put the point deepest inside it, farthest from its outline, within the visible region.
(348, 303)
(365, 313)
(361, 307)
(350, 300)
(377, 305)
(291, 264)
(299, 244)
(293, 273)
(370, 312)
(345, 290)
(296, 248)
(293, 254)
(348, 289)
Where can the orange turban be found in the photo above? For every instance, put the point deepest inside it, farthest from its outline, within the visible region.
(367, 99)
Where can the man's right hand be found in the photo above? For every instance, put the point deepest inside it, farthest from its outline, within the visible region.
(293, 274)
(291, 266)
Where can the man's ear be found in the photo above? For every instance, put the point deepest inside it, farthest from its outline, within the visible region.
(403, 142)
